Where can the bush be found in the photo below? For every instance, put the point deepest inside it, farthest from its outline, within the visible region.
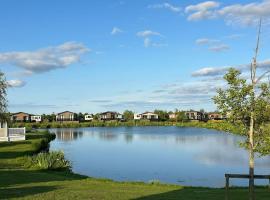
(54, 160)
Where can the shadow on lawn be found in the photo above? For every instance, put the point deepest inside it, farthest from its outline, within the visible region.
(14, 154)
(236, 193)
(10, 181)
(187, 193)
(11, 144)
(16, 177)
(8, 193)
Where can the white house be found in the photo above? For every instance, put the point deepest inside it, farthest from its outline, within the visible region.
(88, 117)
(146, 115)
(119, 116)
(137, 116)
(172, 116)
(35, 118)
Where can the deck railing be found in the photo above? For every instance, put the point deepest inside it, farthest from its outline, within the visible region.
(245, 176)
(16, 133)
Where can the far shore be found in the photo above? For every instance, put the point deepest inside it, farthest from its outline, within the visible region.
(221, 125)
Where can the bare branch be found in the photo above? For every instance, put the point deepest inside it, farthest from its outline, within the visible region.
(254, 61)
(262, 76)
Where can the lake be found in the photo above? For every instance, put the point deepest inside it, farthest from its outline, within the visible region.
(185, 156)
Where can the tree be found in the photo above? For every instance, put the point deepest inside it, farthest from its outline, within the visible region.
(181, 116)
(162, 115)
(3, 98)
(246, 104)
(80, 117)
(128, 115)
(48, 117)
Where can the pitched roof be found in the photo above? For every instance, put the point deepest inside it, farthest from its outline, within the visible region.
(104, 113)
(149, 113)
(19, 113)
(65, 112)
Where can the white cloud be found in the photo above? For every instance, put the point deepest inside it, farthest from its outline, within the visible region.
(202, 6)
(210, 71)
(15, 83)
(45, 59)
(219, 48)
(116, 30)
(202, 10)
(166, 5)
(148, 33)
(243, 14)
(214, 45)
(206, 41)
(217, 71)
(233, 36)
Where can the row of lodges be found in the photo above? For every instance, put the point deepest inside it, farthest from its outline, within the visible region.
(68, 116)
(65, 116)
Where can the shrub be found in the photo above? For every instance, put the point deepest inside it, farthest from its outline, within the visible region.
(54, 160)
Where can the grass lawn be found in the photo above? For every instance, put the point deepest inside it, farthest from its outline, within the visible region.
(19, 183)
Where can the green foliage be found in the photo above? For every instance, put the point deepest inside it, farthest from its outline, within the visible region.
(128, 115)
(241, 100)
(216, 125)
(54, 160)
(162, 115)
(3, 98)
(181, 116)
(79, 117)
(48, 118)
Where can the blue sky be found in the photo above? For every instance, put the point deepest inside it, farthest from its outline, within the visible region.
(92, 56)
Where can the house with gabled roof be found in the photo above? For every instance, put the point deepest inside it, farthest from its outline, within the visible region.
(65, 116)
(20, 117)
(110, 115)
(146, 115)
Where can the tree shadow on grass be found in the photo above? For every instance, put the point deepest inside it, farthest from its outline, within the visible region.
(9, 178)
(10, 144)
(8, 193)
(15, 154)
(189, 193)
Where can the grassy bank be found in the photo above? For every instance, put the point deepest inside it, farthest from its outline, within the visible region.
(12, 155)
(17, 182)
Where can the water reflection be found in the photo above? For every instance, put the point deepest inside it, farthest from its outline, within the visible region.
(68, 134)
(191, 156)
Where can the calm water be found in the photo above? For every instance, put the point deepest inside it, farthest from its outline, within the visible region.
(186, 156)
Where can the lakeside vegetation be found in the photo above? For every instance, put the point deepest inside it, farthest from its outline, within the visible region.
(221, 125)
(20, 182)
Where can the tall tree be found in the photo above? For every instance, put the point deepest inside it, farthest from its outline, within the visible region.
(128, 115)
(246, 104)
(181, 116)
(3, 98)
(162, 115)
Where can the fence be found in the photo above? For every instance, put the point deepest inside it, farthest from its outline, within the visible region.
(15, 134)
(228, 176)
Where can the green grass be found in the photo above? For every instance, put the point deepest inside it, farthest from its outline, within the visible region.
(17, 182)
(12, 154)
(25, 184)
